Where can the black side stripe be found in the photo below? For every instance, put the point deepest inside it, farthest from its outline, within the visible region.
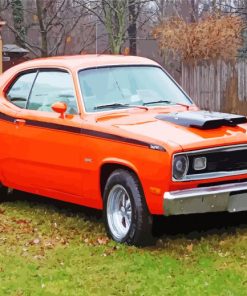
(88, 132)
(7, 117)
(55, 126)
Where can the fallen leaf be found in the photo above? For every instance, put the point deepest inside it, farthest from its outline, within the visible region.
(21, 221)
(102, 241)
(48, 244)
(38, 257)
(36, 241)
(190, 248)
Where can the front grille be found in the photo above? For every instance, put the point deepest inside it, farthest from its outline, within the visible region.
(220, 161)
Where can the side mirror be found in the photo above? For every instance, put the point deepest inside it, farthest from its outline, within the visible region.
(59, 107)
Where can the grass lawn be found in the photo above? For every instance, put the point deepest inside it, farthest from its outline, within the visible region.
(53, 248)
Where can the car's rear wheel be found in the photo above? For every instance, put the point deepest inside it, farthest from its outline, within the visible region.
(126, 215)
(3, 193)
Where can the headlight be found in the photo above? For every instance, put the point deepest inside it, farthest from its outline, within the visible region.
(180, 166)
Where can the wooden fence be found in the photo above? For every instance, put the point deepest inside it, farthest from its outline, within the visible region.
(217, 85)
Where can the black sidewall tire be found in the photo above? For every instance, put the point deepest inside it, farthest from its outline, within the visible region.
(139, 233)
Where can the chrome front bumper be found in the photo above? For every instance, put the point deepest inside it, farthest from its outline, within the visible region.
(228, 197)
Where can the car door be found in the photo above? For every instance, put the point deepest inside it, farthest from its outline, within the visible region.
(17, 97)
(46, 156)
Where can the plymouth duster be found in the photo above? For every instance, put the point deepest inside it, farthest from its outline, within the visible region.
(117, 133)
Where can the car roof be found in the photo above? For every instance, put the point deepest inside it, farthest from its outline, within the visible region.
(86, 61)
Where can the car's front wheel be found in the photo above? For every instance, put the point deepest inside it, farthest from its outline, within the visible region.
(126, 215)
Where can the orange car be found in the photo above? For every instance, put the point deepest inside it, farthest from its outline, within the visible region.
(117, 133)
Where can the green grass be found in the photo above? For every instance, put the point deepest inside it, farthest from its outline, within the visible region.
(52, 248)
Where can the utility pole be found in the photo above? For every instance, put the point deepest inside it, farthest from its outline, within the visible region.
(1, 48)
(96, 36)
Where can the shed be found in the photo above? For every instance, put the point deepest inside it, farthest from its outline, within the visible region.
(13, 55)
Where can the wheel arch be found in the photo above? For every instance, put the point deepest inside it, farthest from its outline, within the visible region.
(110, 165)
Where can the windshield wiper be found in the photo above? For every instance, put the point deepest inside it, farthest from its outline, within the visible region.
(119, 105)
(167, 102)
(157, 102)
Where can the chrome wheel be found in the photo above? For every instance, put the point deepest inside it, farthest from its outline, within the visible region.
(119, 211)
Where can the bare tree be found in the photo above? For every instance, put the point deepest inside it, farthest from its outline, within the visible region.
(46, 25)
(115, 15)
(4, 4)
(135, 9)
(120, 20)
(18, 21)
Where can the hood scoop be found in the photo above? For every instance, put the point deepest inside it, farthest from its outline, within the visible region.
(203, 119)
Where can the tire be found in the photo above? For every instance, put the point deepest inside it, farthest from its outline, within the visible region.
(3, 193)
(126, 216)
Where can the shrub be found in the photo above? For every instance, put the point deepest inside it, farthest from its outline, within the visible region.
(215, 36)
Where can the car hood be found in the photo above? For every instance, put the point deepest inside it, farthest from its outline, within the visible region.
(152, 126)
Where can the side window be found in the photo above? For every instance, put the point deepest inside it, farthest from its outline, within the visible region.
(50, 87)
(19, 91)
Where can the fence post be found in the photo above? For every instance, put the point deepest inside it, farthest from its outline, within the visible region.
(1, 55)
(1, 47)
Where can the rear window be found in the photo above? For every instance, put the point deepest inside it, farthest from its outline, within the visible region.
(19, 91)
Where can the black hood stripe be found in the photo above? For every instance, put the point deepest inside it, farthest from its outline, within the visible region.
(83, 131)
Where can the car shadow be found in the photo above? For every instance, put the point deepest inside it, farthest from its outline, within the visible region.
(197, 226)
(194, 226)
(67, 209)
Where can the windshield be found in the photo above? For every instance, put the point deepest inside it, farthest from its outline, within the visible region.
(108, 88)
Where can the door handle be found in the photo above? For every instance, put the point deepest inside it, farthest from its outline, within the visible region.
(20, 121)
